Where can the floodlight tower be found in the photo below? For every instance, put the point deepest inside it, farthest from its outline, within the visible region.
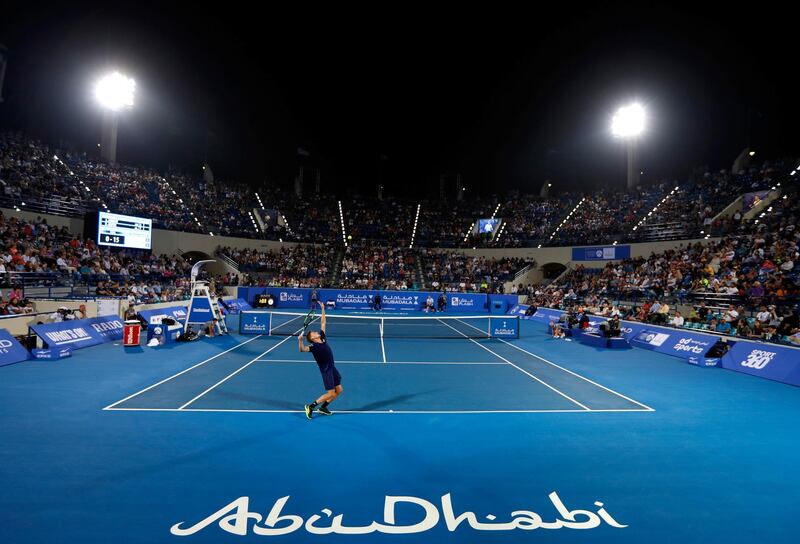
(628, 124)
(114, 92)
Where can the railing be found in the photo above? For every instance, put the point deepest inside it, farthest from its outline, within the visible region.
(227, 260)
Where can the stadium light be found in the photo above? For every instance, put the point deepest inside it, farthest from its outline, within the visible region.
(628, 124)
(114, 92)
(629, 121)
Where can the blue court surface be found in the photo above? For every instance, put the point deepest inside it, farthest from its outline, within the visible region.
(433, 440)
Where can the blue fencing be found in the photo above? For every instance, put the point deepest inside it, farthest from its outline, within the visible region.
(80, 333)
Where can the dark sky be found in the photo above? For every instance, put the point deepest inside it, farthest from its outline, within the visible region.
(506, 98)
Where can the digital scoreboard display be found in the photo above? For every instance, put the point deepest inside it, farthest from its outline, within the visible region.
(124, 231)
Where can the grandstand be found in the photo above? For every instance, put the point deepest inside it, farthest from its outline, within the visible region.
(540, 347)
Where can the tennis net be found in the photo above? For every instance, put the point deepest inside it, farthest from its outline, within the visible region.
(485, 326)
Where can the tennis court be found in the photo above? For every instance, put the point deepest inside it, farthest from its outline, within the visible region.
(433, 440)
(461, 369)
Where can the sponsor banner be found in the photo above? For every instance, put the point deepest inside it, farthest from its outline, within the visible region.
(11, 351)
(608, 253)
(769, 361)
(200, 311)
(254, 322)
(703, 362)
(467, 302)
(399, 300)
(54, 353)
(349, 300)
(290, 298)
(504, 327)
(674, 342)
(362, 299)
(154, 317)
(80, 333)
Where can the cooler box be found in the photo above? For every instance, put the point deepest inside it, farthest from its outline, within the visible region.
(131, 333)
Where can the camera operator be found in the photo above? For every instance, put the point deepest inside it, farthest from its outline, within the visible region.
(63, 314)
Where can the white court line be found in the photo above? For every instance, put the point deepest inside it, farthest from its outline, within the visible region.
(389, 362)
(235, 372)
(255, 411)
(579, 376)
(518, 368)
(110, 406)
(571, 372)
(383, 348)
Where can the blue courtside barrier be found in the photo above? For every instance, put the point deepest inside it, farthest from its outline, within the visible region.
(11, 351)
(80, 333)
(779, 363)
(771, 361)
(237, 306)
(254, 322)
(178, 313)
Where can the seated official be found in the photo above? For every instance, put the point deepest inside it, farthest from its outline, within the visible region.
(429, 305)
(531, 310)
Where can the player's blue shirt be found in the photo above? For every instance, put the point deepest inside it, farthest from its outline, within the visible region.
(322, 352)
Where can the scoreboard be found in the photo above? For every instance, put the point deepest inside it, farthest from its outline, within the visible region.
(124, 231)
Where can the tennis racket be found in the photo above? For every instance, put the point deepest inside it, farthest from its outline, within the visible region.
(308, 320)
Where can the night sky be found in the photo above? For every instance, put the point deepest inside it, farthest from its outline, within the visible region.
(506, 98)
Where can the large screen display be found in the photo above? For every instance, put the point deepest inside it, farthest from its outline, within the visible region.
(487, 226)
(124, 231)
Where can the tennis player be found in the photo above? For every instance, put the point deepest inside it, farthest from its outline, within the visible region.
(323, 355)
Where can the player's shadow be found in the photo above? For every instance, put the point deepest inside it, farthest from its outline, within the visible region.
(393, 401)
(258, 402)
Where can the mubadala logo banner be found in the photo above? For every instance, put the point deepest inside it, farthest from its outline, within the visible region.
(236, 516)
(401, 300)
(352, 298)
(758, 359)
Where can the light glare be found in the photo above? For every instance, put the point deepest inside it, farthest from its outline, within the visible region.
(115, 91)
(628, 122)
